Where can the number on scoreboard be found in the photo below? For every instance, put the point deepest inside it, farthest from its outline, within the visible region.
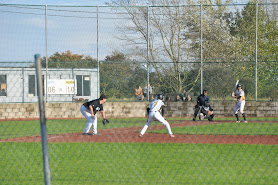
(61, 86)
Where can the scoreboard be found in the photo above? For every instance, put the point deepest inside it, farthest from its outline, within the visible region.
(61, 86)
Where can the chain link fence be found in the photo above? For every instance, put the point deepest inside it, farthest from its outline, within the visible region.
(223, 43)
(87, 51)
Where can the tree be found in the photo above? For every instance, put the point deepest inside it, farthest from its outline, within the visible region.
(173, 36)
(119, 76)
(244, 28)
(69, 60)
(164, 38)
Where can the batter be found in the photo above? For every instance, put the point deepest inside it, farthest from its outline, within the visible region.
(240, 97)
(154, 114)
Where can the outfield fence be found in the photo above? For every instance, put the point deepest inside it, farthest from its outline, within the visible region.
(172, 48)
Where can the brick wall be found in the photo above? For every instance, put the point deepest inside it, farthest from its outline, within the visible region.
(16, 111)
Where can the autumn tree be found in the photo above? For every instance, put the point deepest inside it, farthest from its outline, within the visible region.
(69, 60)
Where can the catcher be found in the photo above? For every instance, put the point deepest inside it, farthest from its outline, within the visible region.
(202, 101)
(89, 110)
(206, 112)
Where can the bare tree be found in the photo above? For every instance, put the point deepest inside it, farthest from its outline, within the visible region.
(172, 31)
(161, 27)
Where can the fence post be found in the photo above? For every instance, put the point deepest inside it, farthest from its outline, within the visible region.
(46, 53)
(98, 80)
(148, 62)
(256, 55)
(46, 167)
(201, 50)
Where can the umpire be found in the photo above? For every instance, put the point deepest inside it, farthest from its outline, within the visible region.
(201, 100)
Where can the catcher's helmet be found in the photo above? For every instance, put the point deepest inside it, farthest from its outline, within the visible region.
(160, 96)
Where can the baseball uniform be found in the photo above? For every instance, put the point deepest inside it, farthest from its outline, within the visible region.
(91, 119)
(239, 94)
(240, 101)
(154, 114)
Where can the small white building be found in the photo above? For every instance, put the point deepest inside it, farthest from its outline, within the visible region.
(19, 85)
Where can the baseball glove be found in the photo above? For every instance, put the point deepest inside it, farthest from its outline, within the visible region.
(105, 121)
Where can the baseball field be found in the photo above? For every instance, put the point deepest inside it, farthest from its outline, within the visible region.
(219, 152)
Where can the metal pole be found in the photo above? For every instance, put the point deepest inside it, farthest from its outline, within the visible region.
(201, 37)
(23, 81)
(46, 53)
(98, 78)
(256, 55)
(46, 167)
(148, 63)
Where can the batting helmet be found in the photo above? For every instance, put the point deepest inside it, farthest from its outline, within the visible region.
(238, 85)
(160, 96)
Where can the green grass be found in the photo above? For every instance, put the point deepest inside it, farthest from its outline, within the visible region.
(140, 163)
(250, 118)
(13, 129)
(227, 129)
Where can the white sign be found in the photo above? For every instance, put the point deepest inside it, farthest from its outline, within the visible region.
(61, 86)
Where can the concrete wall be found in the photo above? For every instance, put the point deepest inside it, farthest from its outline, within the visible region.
(23, 111)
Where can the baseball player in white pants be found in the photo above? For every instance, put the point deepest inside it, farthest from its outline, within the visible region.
(240, 97)
(89, 110)
(154, 114)
(91, 120)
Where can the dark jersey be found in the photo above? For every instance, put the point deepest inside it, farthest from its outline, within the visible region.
(202, 99)
(95, 104)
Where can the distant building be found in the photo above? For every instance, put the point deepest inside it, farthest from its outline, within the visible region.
(19, 84)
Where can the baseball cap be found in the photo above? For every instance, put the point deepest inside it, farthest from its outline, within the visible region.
(102, 97)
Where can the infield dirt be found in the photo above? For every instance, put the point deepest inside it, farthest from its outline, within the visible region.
(131, 135)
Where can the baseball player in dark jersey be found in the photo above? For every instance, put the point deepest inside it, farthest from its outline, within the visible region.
(201, 102)
(206, 112)
(89, 110)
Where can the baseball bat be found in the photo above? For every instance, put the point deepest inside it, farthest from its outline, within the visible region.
(235, 88)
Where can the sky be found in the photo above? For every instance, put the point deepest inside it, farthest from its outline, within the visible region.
(23, 34)
(22, 29)
(57, 2)
(72, 2)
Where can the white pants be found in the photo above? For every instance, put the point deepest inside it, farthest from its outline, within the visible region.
(91, 120)
(239, 106)
(156, 116)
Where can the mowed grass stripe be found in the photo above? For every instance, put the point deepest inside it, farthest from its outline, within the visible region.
(227, 129)
(140, 163)
(15, 129)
